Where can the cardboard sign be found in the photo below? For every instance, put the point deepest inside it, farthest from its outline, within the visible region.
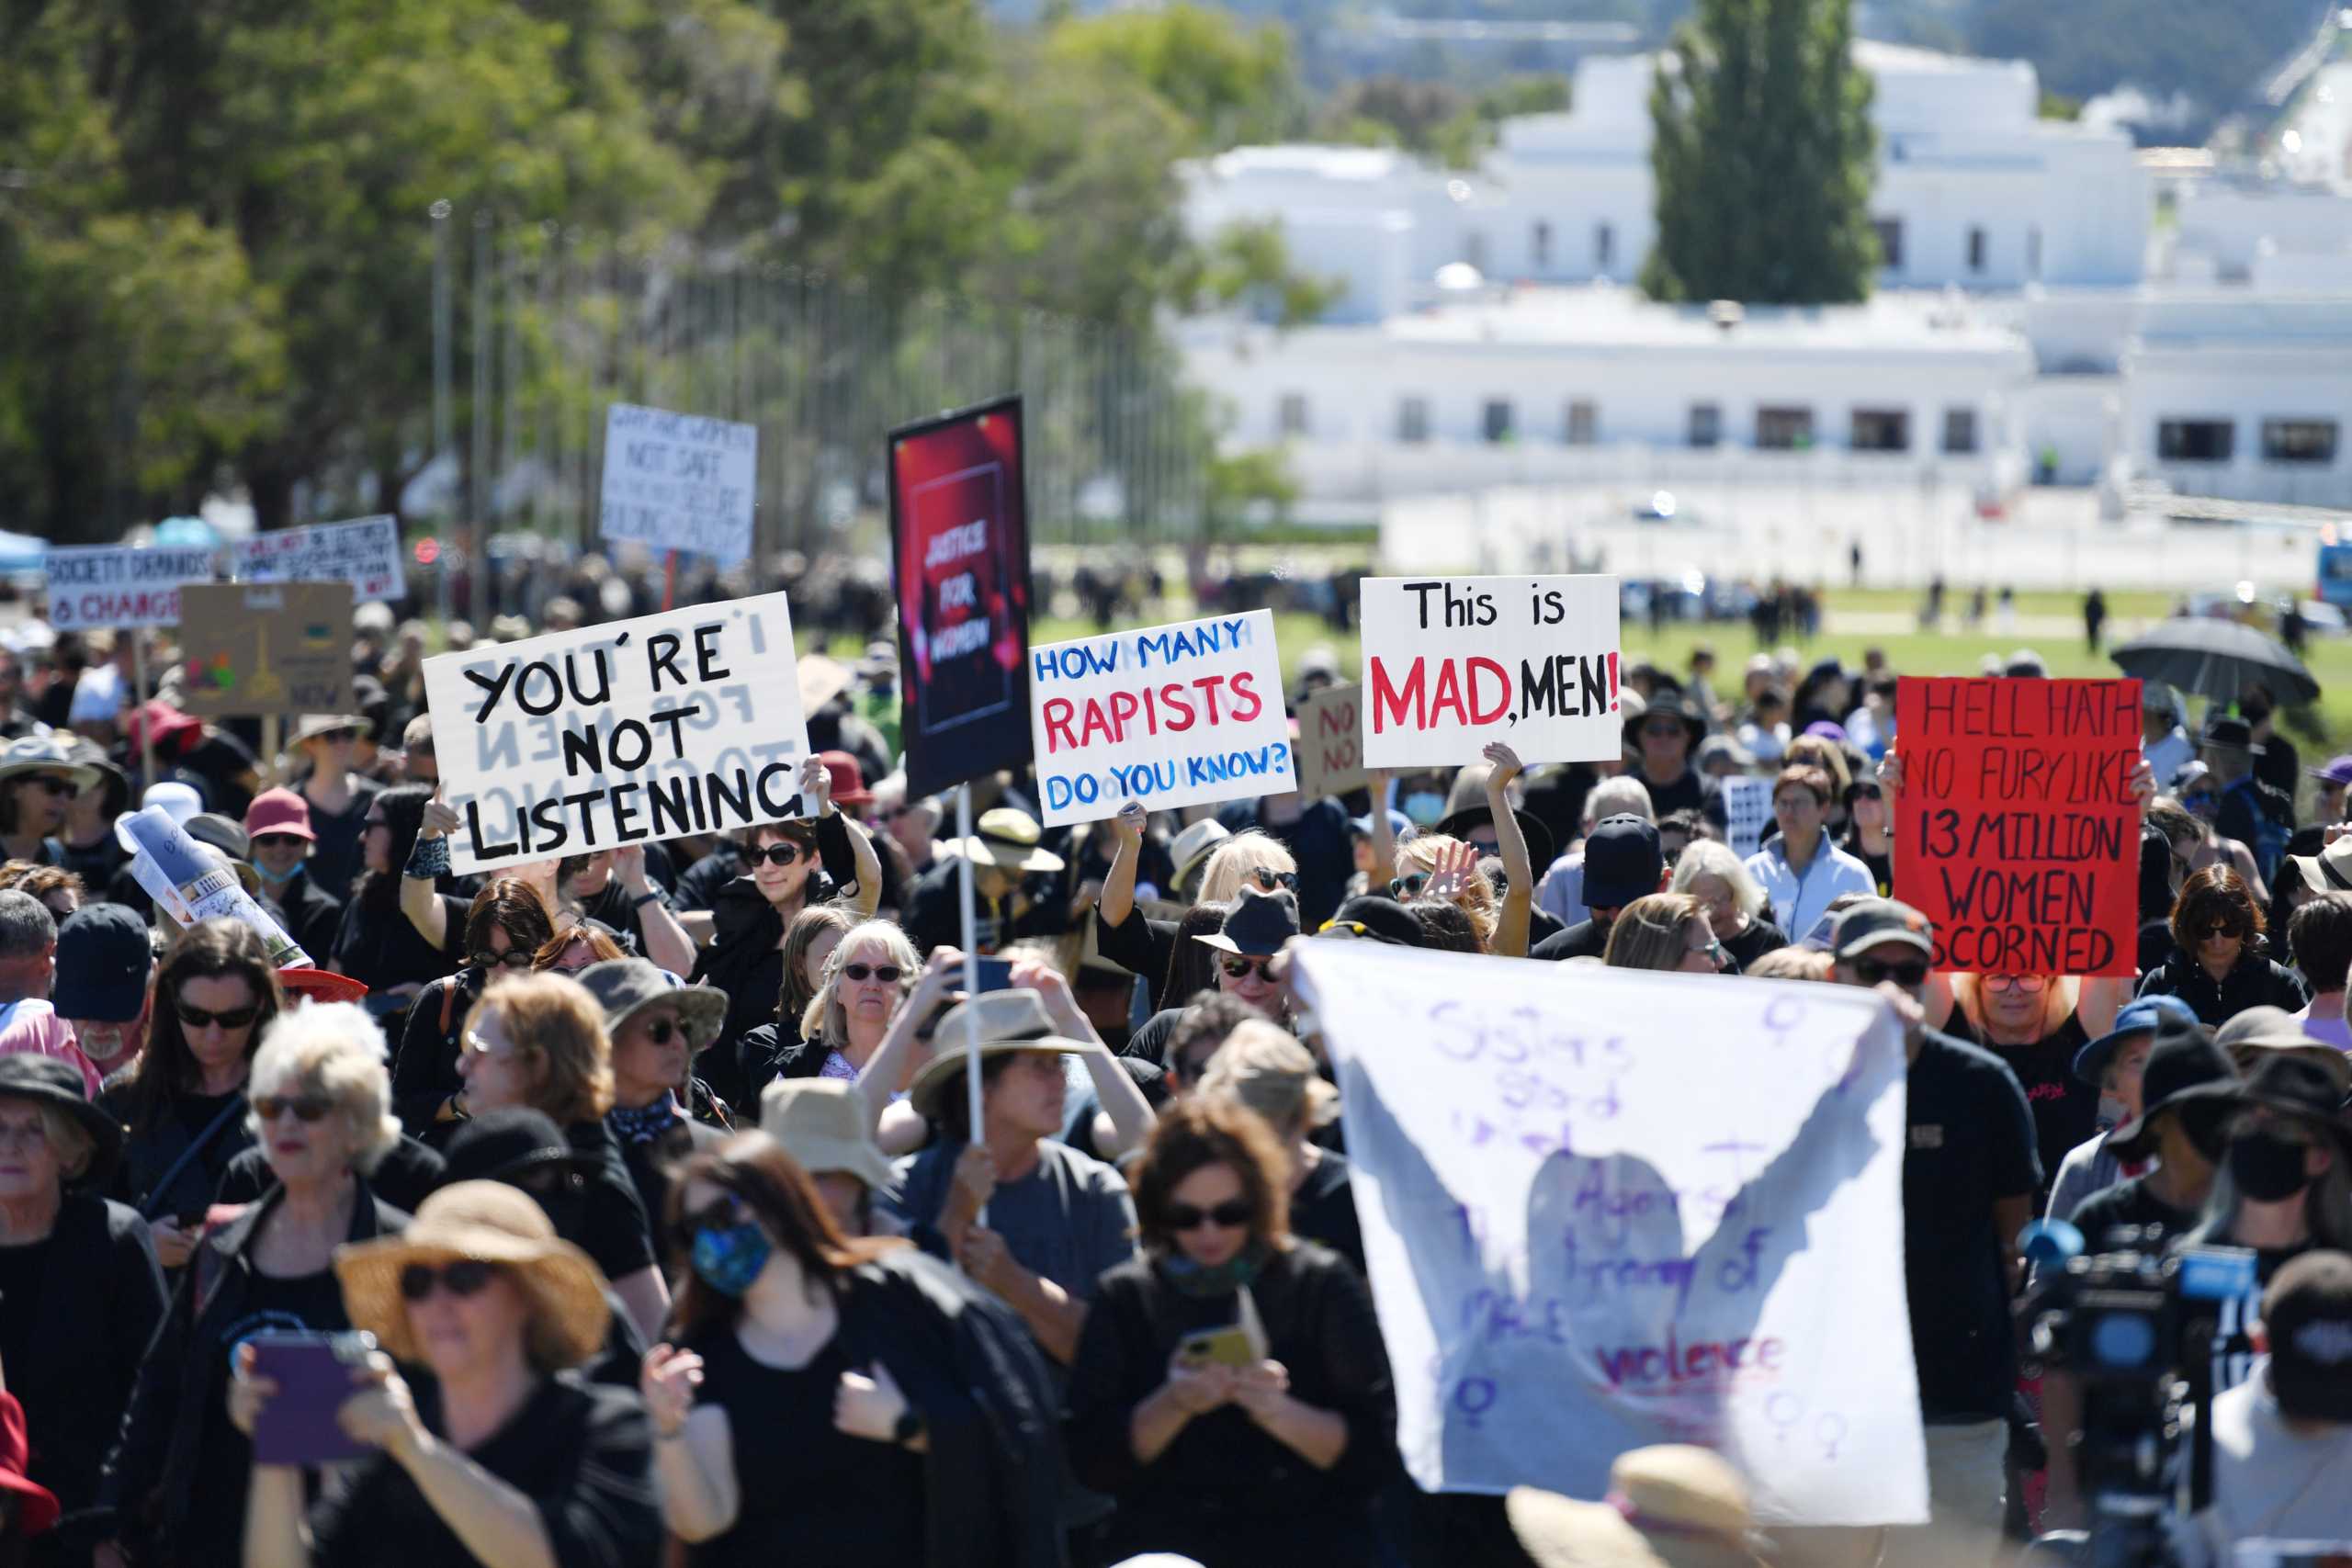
(959, 526)
(1747, 811)
(675, 482)
(2016, 832)
(1606, 1208)
(1169, 716)
(113, 585)
(1454, 662)
(1330, 742)
(366, 554)
(255, 649)
(627, 733)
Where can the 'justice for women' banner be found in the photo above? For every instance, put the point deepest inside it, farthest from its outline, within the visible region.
(626, 733)
(1606, 1208)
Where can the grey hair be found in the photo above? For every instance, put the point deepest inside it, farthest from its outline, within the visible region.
(1705, 857)
(27, 928)
(1619, 794)
(337, 1049)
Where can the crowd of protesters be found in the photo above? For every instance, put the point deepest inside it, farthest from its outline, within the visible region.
(653, 1173)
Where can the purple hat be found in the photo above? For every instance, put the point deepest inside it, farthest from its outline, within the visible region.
(2338, 771)
(1829, 730)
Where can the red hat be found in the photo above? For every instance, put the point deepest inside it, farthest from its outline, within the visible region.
(849, 779)
(322, 984)
(279, 811)
(37, 1503)
(169, 722)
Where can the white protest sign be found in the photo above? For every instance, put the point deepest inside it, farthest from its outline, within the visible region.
(366, 554)
(1451, 663)
(115, 585)
(627, 733)
(1748, 811)
(1169, 716)
(1605, 1208)
(674, 482)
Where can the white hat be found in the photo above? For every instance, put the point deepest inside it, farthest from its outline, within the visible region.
(179, 801)
(98, 696)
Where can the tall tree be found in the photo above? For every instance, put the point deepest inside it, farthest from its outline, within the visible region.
(1762, 155)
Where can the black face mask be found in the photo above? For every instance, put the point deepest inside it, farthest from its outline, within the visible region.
(2266, 1168)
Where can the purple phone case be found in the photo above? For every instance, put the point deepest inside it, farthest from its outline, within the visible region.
(298, 1425)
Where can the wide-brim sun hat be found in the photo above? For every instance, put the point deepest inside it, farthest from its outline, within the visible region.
(40, 754)
(1192, 848)
(1010, 1022)
(1460, 824)
(624, 987)
(313, 724)
(1672, 1505)
(821, 1122)
(1006, 838)
(2252, 1037)
(487, 1221)
(49, 1080)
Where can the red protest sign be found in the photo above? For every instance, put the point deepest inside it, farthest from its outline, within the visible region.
(2016, 832)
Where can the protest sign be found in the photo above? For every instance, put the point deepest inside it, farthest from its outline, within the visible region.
(1451, 663)
(257, 648)
(1330, 742)
(634, 731)
(115, 585)
(366, 554)
(1747, 811)
(675, 482)
(959, 526)
(1606, 1208)
(2017, 833)
(1169, 716)
(201, 886)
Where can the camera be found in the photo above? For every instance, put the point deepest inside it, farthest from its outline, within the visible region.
(2136, 1327)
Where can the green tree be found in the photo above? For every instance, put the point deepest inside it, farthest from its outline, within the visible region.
(1231, 85)
(1762, 154)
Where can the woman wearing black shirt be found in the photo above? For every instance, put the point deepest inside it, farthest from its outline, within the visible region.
(504, 927)
(1734, 905)
(2037, 1024)
(2220, 964)
(381, 943)
(1272, 1461)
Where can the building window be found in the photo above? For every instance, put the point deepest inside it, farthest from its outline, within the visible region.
(1542, 247)
(2195, 440)
(1976, 250)
(1498, 421)
(1881, 430)
(1889, 242)
(1604, 247)
(1783, 430)
(1584, 423)
(1706, 425)
(1959, 430)
(1413, 421)
(2299, 441)
(1291, 413)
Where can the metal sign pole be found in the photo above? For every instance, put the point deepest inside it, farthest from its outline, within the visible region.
(971, 970)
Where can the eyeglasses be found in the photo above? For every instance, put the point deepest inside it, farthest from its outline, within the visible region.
(513, 958)
(278, 840)
(1714, 951)
(463, 1279)
(778, 855)
(2027, 983)
(235, 1018)
(1236, 964)
(476, 1044)
(54, 785)
(1269, 879)
(888, 974)
(1408, 885)
(1908, 972)
(307, 1108)
(1231, 1214)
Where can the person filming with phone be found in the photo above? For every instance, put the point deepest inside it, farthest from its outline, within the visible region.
(1230, 1388)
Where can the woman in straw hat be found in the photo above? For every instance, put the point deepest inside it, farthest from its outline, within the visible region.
(498, 1461)
(835, 1401)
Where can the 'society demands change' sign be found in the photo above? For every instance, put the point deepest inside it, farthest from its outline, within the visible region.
(1451, 663)
(115, 585)
(676, 481)
(2016, 832)
(1607, 1208)
(1169, 716)
(626, 733)
(366, 554)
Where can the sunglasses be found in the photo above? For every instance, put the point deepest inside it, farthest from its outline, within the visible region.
(278, 840)
(1408, 885)
(1663, 730)
(1269, 880)
(888, 974)
(662, 1031)
(235, 1018)
(1232, 1214)
(307, 1108)
(463, 1279)
(1235, 965)
(778, 855)
(336, 736)
(1909, 972)
(513, 958)
(2227, 931)
(55, 787)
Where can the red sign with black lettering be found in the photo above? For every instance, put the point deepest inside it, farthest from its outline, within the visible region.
(2016, 832)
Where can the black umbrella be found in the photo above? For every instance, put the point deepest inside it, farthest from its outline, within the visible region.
(2217, 658)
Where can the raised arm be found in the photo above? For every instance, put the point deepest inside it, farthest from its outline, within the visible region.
(878, 1084)
(1511, 930)
(816, 785)
(666, 942)
(1384, 835)
(420, 894)
(1118, 900)
(1123, 1102)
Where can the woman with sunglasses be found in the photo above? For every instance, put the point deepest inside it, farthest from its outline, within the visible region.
(1664, 931)
(872, 971)
(322, 1109)
(836, 1400)
(810, 941)
(39, 779)
(505, 926)
(1268, 1445)
(2220, 964)
(337, 795)
(382, 942)
(182, 1101)
(1869, 832)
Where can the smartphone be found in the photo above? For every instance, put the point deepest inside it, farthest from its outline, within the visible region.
(313, 1376)
(994, 975)
(1228, 1347)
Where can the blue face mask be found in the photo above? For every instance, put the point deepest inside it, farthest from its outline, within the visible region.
(1425, 808)
(728, 1258)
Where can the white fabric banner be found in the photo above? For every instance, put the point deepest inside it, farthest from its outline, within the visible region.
(366, 554)
(676, 481)
(1608, 1207)
(627, 733)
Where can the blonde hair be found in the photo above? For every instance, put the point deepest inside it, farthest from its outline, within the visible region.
(335, 1048)
(555, 1019)
(826, 1020)
(1822, 752)
(1478, 896)
(1648, 933)
(1265, 1069)
(2057, 1001)
(1793, 963)
(1235, 859)
(1707, 857)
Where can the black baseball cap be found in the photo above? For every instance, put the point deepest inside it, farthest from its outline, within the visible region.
(1623, 861)
(103, 960)
(2307, 1322)
(1370, 917)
